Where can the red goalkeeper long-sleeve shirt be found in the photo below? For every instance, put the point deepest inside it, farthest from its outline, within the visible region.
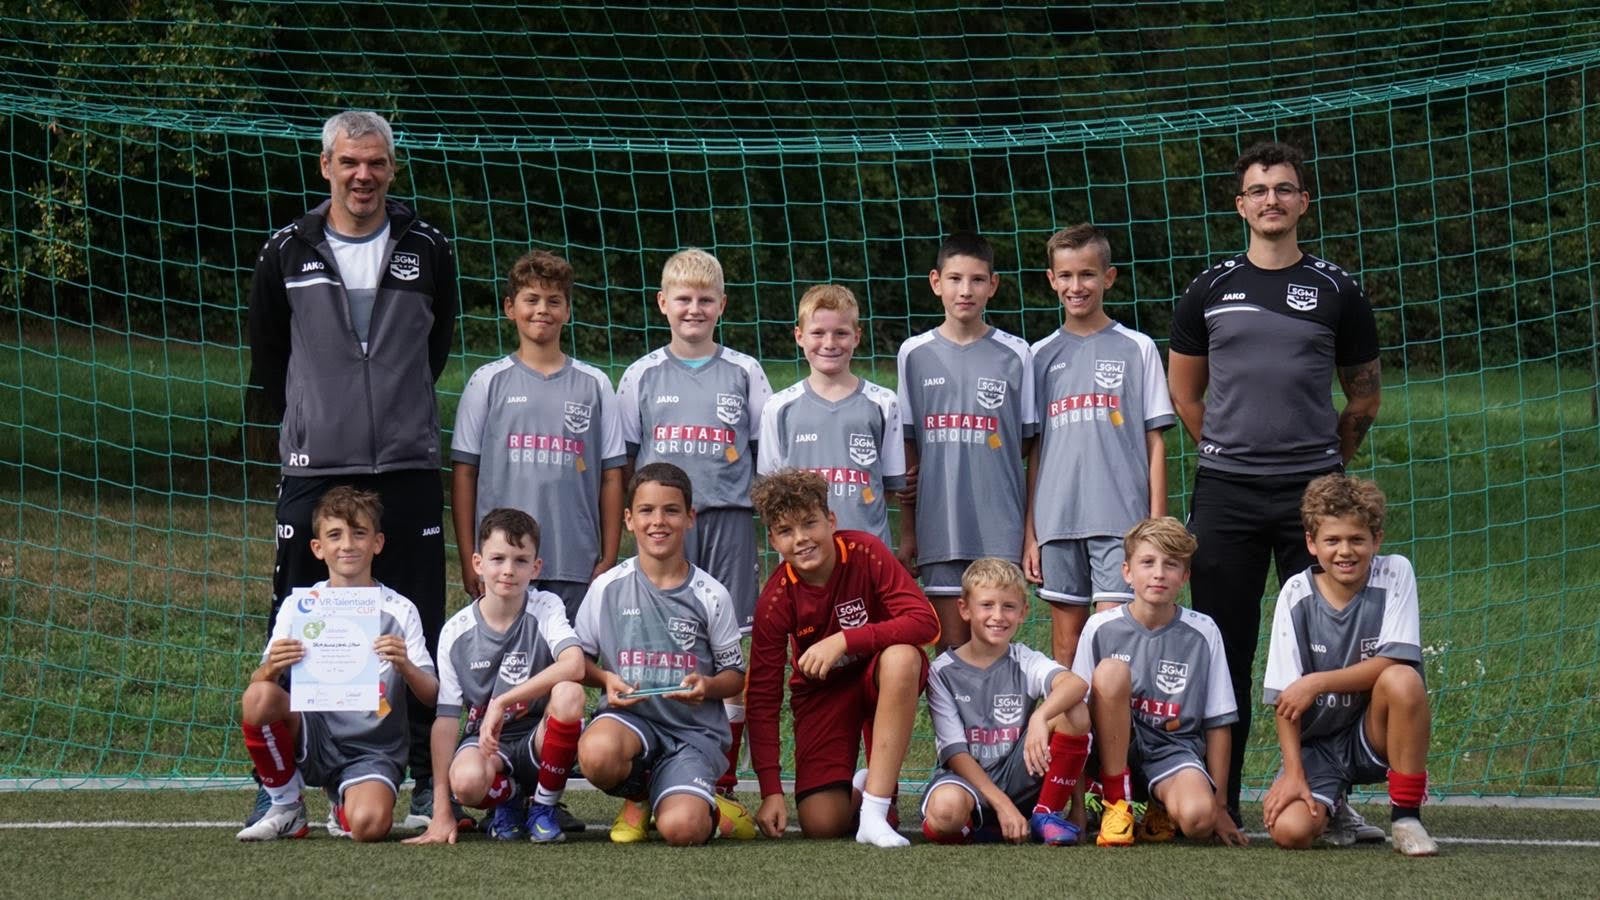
(869, 597)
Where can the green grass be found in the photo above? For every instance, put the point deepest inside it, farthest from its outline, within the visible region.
(188, 862)
(137, 542)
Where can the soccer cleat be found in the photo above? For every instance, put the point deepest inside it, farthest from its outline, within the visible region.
(1116, 825)
(1156, 827)
(632, 825)
(505, 822)
(1051, 829)
(543, 825)
(259, 807)
(336, 824)
(569, 823)
(287, 821)
(733, 820)
(1411, 839)
(420, 813)
(1346, 827)
(464, 819)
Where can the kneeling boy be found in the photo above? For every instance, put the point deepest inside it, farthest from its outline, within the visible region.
(1159, 682)
(1344, 673)
(656, 623)
(357, 756)
(857, 623)
(513, 663)
(979, 695)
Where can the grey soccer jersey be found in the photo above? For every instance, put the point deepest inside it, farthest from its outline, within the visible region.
(1180, 676)
(1309, 635)
(540, 443)
(477, 663)
(857, 444)
(1098, 395)
(968, 408)
(653, 638)
(984, 712)
(383, 732)
(1272, 339)
(702, 419)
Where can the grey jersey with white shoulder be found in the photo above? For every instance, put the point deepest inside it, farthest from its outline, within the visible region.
(1180, 675)
(540, 443)
(384, 732)
(856, 444)
(1310, 635)
(477, 663)
(701, 419)
(968, 407)
(654, 637)
(984, 711)
(1099, 396)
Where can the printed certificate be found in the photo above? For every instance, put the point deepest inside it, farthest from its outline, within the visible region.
(338, 627)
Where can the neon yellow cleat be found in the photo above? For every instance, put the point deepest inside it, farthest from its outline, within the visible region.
(733, 820)
(632, 825)
(1116, 825)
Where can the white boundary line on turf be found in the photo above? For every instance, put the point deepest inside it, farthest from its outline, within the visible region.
(747, 785)
(124, 823)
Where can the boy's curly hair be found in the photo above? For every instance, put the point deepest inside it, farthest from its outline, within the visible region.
(1337, 495)
(788, 493)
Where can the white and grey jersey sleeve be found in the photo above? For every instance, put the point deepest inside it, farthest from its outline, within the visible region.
(949, 734)
(1038, 670)
(1220, 707)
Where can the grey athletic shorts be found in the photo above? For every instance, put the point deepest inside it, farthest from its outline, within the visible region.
(1012, 779)
(1079, 571)
(723, 542)
(1335, 762)
(943, 579)
(323, 763)
(669, 765)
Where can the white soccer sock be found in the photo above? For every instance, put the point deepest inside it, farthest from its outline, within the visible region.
(874, 828)
(288, 792)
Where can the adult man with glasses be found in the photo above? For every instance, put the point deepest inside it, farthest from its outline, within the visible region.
(1256, 342)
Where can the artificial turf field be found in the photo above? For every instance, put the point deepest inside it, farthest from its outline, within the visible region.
(54, 848)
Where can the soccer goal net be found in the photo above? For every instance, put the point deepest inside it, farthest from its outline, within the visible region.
(1454, 154)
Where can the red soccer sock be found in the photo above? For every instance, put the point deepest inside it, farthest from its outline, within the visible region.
(271, 748)
(730, 778)
(501, 789)
(939, 837)
(1116, 786)
(1406, 792)
(556, 754)
(1067, 755)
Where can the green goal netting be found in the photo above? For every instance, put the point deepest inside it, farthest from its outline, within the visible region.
(147, 150)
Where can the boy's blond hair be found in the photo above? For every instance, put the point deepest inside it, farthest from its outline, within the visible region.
(350, 504)
(1076, 237)
(1337, 495)
(834, 297)
(993, 572)
(537, 266)
(1167, 535)
(692, 267)
(788, 493)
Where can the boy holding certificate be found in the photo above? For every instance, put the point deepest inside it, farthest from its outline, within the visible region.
(662, 640)
(357, 756)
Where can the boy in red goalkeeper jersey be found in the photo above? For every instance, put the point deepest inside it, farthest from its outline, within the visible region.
(856, 622)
